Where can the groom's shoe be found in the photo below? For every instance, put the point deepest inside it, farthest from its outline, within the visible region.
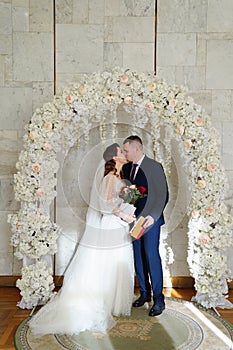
(156, 310)
(142, 300)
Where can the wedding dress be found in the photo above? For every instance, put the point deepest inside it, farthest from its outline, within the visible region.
(99, 281)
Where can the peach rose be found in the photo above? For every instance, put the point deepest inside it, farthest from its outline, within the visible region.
(48, 125)
(36, 167)
(198, 121)
(201, 183)
(210, 210)
(50, 279)
(124, 78)
(172, 102)
(180, 130)
(128, 100)
(82, 89)
(152, 86)
(40, 192)
(32, 135)
(187, 143)
(211, 166)
(195, 214)
(149, 106)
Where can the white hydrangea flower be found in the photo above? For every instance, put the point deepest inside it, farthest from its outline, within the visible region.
(36, 285)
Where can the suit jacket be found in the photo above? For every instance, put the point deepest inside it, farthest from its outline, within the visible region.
(150, 175)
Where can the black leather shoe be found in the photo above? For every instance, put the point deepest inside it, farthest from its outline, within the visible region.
(156, 310)
(141, 301)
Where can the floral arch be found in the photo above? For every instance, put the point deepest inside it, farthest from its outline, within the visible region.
(153, 104)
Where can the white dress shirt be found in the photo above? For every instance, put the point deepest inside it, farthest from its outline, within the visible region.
(138, 163)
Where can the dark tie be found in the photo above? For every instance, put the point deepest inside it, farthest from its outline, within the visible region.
(133, 170)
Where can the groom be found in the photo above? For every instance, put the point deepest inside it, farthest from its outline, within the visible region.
(146, 172)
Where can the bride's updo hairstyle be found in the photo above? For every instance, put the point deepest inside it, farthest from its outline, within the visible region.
(110, 164)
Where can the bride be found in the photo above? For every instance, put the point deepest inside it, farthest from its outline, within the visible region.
(99, 281)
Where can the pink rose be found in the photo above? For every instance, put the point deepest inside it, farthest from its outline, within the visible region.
(108, 99)
(198, 121)
(201, 183)
(128, 100)
(40, 192)
(211, 166)
(82, 89)
(149, 106)
(204, 239)
(210, 210)
(47, 147)
(36, 167)
(124, 78)
(69, 98)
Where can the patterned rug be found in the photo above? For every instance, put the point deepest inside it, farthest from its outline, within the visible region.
(182, 326)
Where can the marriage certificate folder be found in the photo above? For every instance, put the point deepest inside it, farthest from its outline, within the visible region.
(137, 229)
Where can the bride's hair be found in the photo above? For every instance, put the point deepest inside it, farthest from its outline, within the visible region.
(110, 164)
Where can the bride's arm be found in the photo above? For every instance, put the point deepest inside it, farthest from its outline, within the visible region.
(110, 201)
(108, 198)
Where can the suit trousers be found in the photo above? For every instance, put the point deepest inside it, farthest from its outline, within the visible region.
(147, 263)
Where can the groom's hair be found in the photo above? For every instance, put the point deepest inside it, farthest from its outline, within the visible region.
(133, 138)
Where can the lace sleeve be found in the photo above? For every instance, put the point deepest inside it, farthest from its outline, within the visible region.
(109, 195)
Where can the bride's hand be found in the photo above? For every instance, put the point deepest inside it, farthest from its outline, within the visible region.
(130, 218)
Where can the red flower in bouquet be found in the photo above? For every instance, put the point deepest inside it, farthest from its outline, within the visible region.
(131, 194)
(142, 189)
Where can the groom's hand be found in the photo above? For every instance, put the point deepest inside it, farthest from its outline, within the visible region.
(148, 221)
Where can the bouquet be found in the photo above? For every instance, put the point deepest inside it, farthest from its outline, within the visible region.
(130, 194)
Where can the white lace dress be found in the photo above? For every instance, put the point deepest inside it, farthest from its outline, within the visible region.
(99, 281)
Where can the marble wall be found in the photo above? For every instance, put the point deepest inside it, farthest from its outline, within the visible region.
(194, 48)
(98, 35)
(26, 81)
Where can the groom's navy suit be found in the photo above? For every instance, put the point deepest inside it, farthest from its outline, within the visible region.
(146, 250)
